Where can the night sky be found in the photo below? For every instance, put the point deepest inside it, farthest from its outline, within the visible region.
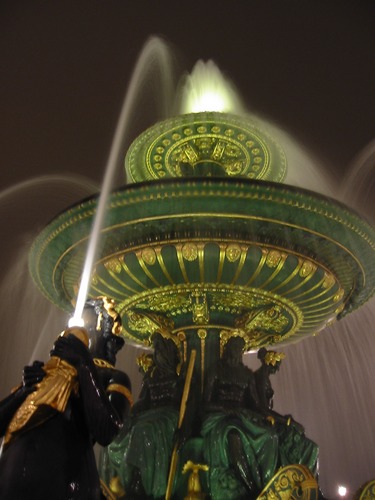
(307, 66)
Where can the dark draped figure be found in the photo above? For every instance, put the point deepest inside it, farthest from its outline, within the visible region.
(240, 446)
(139, 458)
(294, 446)
(52, 420)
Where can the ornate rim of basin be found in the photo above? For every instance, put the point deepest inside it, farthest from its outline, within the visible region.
(280, 262)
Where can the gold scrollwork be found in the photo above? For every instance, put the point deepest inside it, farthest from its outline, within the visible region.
(148, 323)
(292, 481)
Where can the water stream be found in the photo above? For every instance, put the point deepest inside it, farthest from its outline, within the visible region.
(155, 52)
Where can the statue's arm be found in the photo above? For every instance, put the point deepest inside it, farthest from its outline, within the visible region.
(102, 419)
(119, 393)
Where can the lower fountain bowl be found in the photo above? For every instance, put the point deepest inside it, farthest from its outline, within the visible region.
(278, 262)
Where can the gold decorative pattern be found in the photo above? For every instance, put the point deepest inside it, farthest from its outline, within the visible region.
(182, 338)
(149, 323)
(278, 315)
(202, 334)
(53, 391)
(199, 308)
(194, 485)
(273, 258)
(103, 363)
(122, 390)
(190, 251)
(233, 252)
(288, 280)
(225, 335)
(291, 482)
(272, 358)
(114, 265)
(366, 492)
(149, 256)
(213, 144)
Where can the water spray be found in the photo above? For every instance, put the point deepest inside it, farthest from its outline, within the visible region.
(154, 45)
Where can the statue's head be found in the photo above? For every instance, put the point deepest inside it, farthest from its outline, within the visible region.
(234, 348)
(103, 324)
(166, 352)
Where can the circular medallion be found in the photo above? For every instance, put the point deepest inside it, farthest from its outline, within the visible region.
(205, 145)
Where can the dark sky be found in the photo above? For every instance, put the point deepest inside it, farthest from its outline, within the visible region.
(307, 66)
(65, 65)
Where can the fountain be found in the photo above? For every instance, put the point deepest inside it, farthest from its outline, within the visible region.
(207, 244)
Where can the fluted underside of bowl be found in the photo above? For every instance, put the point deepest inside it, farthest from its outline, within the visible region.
(277, 262)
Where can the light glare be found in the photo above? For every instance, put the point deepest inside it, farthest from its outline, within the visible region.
(342, 490)
(206, 89)
(76, 321)
(208, 101)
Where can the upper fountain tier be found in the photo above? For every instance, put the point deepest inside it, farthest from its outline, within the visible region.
(205, 144)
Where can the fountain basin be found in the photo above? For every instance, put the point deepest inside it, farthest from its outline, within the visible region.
(279, 262)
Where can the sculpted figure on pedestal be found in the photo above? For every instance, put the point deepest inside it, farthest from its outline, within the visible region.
(140, 456)
(294, 446)
(240, 446)
(52, 420)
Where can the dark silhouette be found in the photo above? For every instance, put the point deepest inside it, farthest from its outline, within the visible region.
(48, 445)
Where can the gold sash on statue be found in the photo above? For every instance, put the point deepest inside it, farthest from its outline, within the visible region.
(53, 391)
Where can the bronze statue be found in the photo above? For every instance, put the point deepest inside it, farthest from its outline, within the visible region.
(294, 446)
(52, 420)
(240, 446)
(140, 455)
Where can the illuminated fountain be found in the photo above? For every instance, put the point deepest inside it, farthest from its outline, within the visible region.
(207, 243)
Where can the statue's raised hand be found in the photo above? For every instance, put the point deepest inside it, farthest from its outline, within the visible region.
(72, 350)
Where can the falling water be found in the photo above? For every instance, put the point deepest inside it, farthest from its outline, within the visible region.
(29, 323)
(155, 52)
(358, 185)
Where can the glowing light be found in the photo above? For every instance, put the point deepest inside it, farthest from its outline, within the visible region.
(206, 89)
(76, 321)
(342, 490)
(208, 101)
